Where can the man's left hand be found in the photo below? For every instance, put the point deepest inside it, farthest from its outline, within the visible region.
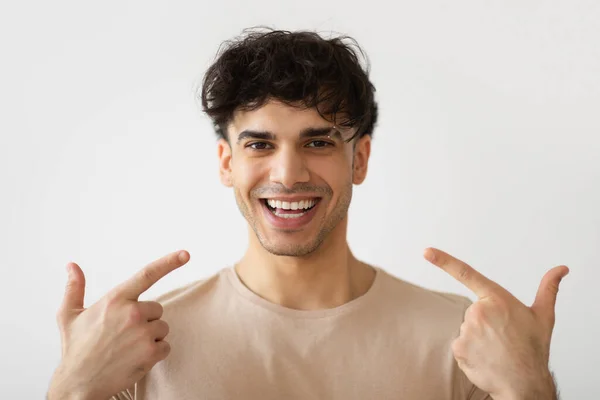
(504, 346)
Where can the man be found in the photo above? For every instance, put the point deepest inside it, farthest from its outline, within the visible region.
(299, 317)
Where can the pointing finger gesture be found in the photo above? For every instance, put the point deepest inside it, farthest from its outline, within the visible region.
(503, 346)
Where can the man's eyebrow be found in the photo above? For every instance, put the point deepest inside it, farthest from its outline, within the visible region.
(305, 133)
(247, 133)
(317, 132)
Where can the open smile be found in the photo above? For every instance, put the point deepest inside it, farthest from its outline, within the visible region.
(288, 213)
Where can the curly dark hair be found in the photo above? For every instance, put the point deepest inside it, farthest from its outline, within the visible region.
(301, 69)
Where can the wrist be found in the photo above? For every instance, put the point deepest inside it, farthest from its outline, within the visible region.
(62, 387)
(542, 388)
(59, 393)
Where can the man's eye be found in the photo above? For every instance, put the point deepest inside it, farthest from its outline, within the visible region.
(258, 145)
(319, 143)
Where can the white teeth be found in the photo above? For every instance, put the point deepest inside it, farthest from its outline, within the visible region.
(289, 216)
(294, 205)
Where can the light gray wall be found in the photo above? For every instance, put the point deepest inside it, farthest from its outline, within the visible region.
(488, 147)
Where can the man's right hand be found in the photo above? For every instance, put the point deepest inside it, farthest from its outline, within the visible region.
(109, 346)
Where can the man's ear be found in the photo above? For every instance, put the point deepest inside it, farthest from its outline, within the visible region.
(224, 153)
(362, 151)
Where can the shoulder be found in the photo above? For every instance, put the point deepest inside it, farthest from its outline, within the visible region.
(190, 294)
(422, 303)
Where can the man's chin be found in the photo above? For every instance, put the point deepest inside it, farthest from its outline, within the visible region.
(290, 249)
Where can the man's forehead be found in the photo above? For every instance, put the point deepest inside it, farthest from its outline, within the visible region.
(284, 120)
(275, 112)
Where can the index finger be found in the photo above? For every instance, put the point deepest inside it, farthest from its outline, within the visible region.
(461, 271)
(152, 273)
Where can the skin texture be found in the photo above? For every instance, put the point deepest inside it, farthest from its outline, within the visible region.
(289, 165)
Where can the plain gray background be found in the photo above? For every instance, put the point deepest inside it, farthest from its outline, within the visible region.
(488, 147)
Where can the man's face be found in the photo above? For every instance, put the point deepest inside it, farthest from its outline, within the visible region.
(292, 174)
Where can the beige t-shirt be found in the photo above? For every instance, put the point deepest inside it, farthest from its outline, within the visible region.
(229, 343)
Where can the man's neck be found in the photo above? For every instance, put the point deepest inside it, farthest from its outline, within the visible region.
(329, 277)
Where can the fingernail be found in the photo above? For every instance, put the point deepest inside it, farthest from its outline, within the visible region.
(430, 255)
(68, 268)
(182, 256)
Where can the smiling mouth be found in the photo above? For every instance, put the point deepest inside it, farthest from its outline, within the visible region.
(290, 209)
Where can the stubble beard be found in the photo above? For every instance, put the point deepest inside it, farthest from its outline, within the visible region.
(292, 249)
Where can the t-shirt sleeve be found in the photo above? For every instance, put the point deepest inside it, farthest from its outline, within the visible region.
(128, 394)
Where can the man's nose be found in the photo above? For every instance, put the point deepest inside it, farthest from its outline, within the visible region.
(288, 168)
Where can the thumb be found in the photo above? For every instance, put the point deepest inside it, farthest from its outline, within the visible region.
(75, 289)
(545, 298)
